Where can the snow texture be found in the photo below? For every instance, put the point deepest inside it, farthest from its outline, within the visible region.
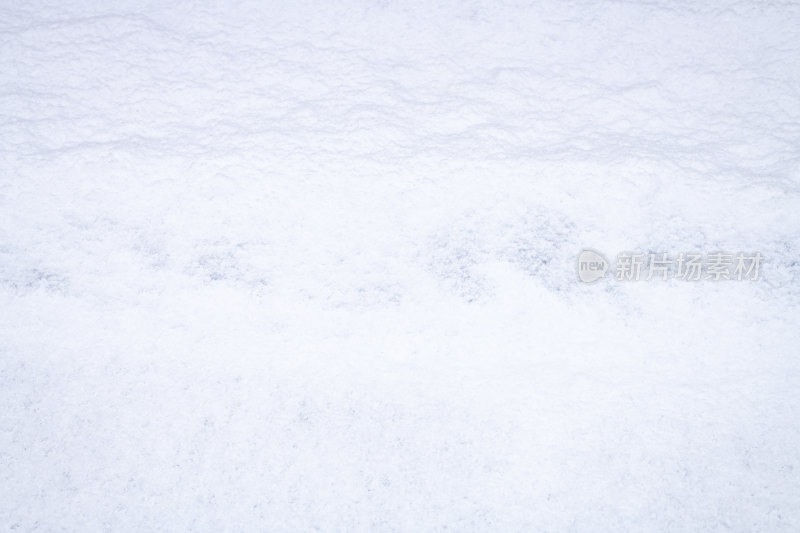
(300, 266)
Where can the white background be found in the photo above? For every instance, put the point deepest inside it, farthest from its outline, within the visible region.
(294, 267)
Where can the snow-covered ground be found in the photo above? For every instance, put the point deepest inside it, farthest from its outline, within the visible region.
(312, 266)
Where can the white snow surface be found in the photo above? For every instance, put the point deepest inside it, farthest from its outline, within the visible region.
(311, 266)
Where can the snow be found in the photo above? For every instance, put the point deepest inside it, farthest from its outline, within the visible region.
(310, 266)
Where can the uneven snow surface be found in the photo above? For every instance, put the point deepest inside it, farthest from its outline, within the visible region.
(300, 267)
